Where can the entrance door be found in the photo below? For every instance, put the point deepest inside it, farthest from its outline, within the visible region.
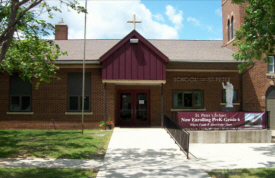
(133, 108)
(270, 105)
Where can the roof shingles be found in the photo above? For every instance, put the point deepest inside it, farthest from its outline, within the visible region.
(175, 50)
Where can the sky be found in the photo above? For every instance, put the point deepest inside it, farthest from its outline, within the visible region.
(177, 19)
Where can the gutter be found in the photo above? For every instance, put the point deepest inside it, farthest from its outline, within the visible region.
(202, 61)
(76, 62)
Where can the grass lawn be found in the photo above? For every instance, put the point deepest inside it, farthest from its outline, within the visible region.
(45, 173)
(70, 144)
(243, 173)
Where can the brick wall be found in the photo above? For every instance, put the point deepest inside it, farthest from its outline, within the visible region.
(229, 10)
(212, 90)
(62, 32)
(49, 102)
(255, 81)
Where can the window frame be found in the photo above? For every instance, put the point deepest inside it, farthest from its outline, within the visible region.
(193, 99)
(79, 108)
(224, 99)
(273, 66)
(74, 89)
(19, 95)
(229, 29)
(232, 27)
(20, 103)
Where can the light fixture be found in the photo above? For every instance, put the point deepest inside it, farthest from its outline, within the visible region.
(133, 40)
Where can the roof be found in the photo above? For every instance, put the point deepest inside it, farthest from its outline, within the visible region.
(175, 50)
(134, 34)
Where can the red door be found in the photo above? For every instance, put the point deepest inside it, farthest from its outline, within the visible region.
(133, 108)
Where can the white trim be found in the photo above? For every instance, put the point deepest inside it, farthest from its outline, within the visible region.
(179, 110)
(270, 74)
(20, 113)
(234, 104)
(231, 39)
(199, 70)
(135, 82)
(78, 113)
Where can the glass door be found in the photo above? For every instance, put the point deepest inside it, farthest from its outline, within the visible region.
(125, 107)
(133, 108)
(141, 107)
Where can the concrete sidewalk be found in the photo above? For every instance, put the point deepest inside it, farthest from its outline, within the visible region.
(152, 153)
(148, 152)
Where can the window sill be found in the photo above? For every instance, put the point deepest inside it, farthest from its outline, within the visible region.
(179, 110)
(78, 113)
(234, 104)
(231, 41)
(270, 75)
(20, 113)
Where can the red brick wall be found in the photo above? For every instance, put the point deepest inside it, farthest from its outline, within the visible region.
(255, 86)
(62, 33)
(50, 102)
(229, 10)
(255, 80)
(212, 90)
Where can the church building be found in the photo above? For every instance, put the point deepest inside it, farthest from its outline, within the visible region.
(134, 81)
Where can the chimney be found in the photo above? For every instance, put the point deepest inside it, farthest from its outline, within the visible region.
(62, 32)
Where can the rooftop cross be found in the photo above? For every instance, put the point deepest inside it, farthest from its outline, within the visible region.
(134, 21)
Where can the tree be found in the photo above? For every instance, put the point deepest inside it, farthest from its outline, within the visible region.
(256, 38)
(21, 47)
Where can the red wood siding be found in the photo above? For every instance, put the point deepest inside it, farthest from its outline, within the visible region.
(133, 62)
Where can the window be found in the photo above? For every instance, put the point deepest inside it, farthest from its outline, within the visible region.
(75, 92)
(232, 27)
(229, 28)
(271, 64)
(235, 96)
(187, 99)
(20, 94)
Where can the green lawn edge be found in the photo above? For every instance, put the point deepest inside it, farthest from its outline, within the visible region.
(59, 144)
(243, 173)
(46, 173)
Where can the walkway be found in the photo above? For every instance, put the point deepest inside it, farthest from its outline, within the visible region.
(152, 153)
(145, 153)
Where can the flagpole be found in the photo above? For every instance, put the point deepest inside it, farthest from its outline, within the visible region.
(83, 78)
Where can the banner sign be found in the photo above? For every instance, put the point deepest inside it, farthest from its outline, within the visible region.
(221, 120)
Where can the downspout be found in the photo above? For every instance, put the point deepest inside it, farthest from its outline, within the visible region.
(243, 85)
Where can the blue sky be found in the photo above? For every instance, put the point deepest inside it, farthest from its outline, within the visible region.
(202, 18)
(181, 19)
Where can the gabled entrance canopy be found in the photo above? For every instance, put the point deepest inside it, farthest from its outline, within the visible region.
(134, 63)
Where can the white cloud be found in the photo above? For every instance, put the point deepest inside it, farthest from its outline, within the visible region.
(218, 12)
(158, 17)
(107, 20)
(209, 28)
(194, 21)
(197, 23)
(175, 18)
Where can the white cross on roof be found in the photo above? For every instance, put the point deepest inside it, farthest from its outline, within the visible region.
(134, 21)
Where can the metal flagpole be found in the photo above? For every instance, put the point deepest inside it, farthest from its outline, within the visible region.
(83, 79)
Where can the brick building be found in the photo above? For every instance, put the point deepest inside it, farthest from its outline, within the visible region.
(133, 71)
